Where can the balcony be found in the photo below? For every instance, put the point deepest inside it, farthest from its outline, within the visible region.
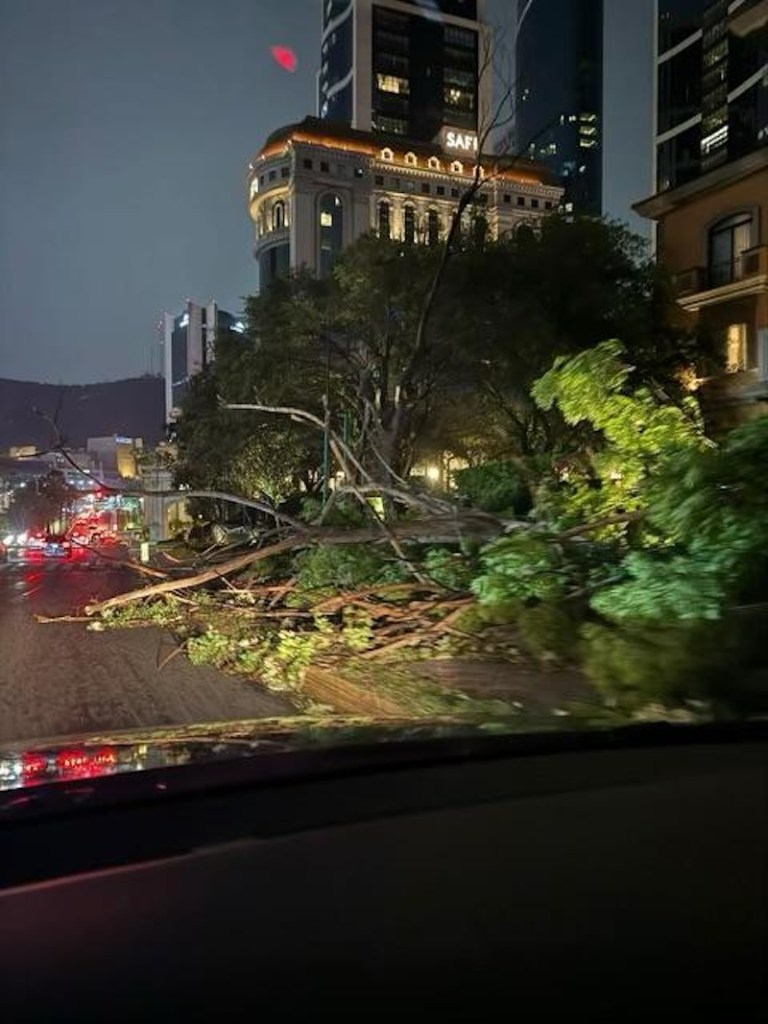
(748, 17)
(747, 274)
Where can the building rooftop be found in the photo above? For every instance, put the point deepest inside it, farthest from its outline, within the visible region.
(319, 132)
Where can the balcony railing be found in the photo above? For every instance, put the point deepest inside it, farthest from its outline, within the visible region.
(748, 17)
(751, 263)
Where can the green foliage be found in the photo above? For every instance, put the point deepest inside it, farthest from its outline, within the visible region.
(521, 566)
(494, 487)
(450, 569)
(328, 568)
(357, 631)
(162, 612)
(639, 433)
(210, 648)
(709, 508)
(549, 633)
(637, 664)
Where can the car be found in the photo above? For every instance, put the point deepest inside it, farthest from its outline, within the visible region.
(57, 546)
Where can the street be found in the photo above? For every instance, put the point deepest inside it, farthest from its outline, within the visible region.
(60, 678)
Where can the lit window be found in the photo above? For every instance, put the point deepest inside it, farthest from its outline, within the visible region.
(393, 83)
(736, 348)
(410, 158)
(331, 231)
(387, 154)
(457, 167)
(254, 187)
(278, 215)
(461, 99)
(433, 163)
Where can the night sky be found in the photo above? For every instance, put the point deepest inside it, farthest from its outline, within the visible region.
(126, 127)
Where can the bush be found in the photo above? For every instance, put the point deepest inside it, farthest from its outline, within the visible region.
(450, 569)
(549, 633)
(494, 487)
(330, 567)
(718, 661)
(520, 567)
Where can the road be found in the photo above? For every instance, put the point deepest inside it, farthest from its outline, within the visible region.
(59, 678)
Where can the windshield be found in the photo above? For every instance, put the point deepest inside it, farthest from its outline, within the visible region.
(372, 367)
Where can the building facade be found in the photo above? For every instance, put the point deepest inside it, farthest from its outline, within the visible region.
(317, 186)
(712, 86)
(189, 340)
(559, 94)
(402, 67)
(711, 203)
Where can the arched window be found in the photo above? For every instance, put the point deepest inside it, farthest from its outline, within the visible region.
(384, 219)
(331, 230)
(728, 240)
(457, 167)
(433, 227)
(433, 163)
(278, 215)
(387, 154)
(409, 224)
(410, 159)
(479, 229)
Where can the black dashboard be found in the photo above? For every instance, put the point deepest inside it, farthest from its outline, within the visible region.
(605, 879)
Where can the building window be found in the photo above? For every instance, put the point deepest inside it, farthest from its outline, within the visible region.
(392, 83)
(410, 159)
(457, 167)
(440, 190)
(735, 348)
(521, 200)
(324, 167)
(278, 215)
(507, 197)
(385, 219)
(433, 163)
(548, 204)
(387, 154)
(454, 193)
(284, 172)
(306, 164)
(480, 230)
(458, 99)
(272, 175)
(433, 227)
(409, 224)
(425, 188)
(462, 37)
(535, 204)
(378, 179)
(331, 218)
(728, 240)
(393, 125)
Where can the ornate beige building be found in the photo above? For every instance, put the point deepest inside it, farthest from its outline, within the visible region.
(316, 186)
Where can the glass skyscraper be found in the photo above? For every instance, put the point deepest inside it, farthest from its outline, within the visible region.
(559, 87)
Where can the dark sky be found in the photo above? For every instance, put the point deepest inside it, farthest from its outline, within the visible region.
(126, 127)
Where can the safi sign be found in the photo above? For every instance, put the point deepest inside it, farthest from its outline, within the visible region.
(455, 141)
